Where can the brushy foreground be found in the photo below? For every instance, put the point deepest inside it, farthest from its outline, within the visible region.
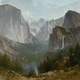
(53, 75)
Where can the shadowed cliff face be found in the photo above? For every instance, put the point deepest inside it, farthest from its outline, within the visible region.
(57, 38)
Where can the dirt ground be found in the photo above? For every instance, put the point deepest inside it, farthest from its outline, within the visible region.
(54, 75)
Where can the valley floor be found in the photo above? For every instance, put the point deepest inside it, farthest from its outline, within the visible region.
(56, 75)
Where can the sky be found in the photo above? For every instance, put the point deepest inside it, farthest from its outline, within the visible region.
(47, 9)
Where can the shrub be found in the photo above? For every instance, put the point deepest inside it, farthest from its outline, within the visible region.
(63, 60)
(47, 65)
(8, 63)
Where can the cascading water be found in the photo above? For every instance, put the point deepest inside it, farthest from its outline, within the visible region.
(31, 69)
(62, 42)
(36, 70)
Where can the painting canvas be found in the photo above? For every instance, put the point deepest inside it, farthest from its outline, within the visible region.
(39, 39)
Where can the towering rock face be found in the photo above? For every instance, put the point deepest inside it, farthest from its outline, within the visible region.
(60, 39)
(25, 36)
(72, 24)
(68, 35)
(12, 24)
(71, 19)
(56, 36)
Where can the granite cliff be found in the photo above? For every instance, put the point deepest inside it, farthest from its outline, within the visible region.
(68, 34)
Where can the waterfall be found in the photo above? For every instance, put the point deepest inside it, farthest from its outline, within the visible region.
(14, 35)
(31, 69)
(11, 28)
(62, 42)
(36, 71)
(22, 35)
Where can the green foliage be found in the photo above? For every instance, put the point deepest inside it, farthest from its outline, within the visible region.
(17, 66)
(8, 63)
(4, 61)
(65, 59)
(47, 64)
(75, 55)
